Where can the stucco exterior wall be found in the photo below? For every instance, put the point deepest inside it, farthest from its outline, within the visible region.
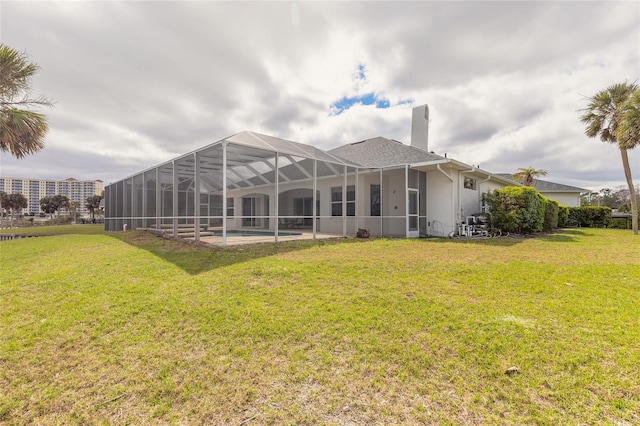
(440, 207)
(569, 199)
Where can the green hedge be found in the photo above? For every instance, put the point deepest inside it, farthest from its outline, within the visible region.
(563, 216)
(620, 223)
(589, 216)
(519, 209)
(550, 215)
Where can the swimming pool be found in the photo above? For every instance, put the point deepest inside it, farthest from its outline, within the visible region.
(254, 233)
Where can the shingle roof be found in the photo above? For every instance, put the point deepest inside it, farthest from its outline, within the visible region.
(381, 152)
(543, 185)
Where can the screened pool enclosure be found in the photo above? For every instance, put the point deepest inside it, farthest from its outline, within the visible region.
(251, 187)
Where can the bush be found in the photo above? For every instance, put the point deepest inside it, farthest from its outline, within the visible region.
(589, 216)
(62, 220)
(620, 223)
(518, 209)
(550, 215)
(563, 215)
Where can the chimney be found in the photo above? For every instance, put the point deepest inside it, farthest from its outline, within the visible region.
(420, 127)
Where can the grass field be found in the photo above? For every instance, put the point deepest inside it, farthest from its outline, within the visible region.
(55, 230)
(133, 329)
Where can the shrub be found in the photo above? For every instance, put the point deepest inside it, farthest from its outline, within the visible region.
(62, 220)
(550, 215)
(518, 209)
(620, 223)
(589, 216)
(563, 215)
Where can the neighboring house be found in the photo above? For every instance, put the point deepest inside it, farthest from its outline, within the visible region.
(564, 194)
(252, 184)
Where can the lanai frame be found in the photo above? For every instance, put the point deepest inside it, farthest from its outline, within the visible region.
(264, 173)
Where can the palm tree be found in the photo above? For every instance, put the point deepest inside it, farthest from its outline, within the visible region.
(3, 199)
(93, 204)
(612, 114)
(527, 174)
(21, 131)
(628, 132)
(73, 209)
(13, 203)
(47, 206)
(60, 202)
(4, 205)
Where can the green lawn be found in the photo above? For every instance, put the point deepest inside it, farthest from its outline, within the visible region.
(55, 230)
(128, 328)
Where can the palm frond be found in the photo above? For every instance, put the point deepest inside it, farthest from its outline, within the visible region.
(22, 132)
(628, 132)
(15, 72)
(603, 113)
(527, 174)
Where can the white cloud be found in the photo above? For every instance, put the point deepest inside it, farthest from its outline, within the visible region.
(139, 82)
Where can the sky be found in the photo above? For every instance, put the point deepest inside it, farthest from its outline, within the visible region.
(137, 83)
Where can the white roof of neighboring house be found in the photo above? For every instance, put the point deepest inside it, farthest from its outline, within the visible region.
(546, 186)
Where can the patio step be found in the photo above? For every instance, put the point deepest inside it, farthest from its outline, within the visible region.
(185, 230)
(179, 226)
(192, 234)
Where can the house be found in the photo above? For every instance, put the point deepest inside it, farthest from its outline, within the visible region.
(564, 194)
(253, 187)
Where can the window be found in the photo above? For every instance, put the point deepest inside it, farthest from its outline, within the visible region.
(375, 200)
(469, 183)
(230, 207)
(351, 200)
(336, 200)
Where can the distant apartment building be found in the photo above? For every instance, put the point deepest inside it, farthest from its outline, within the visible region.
(35, 189)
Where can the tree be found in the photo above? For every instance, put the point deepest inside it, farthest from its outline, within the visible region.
(614, 198)
(13, 202)
(22, 131)
(628, 132)
(73, 209)
(54, 203)
(60, 202)
(612, 114)
(527, 174)
(47, 205)
(93, 204)
(628, 135)
(3, 200)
